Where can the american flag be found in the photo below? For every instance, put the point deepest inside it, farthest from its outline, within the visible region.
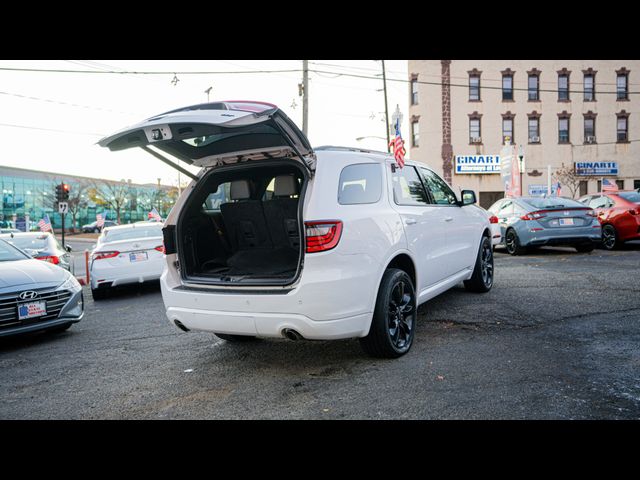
(609, 186)
(154, 215)
(398, 146)
(100, 220)
(45, 224)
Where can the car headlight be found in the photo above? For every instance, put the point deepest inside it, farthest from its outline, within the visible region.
(70, 284)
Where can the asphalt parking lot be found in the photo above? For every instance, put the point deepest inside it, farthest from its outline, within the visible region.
(558, 337)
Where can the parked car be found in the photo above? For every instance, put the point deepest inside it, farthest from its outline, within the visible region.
(35, 295)
(619, 215)
(42, 246)
(126, 254)
(274, 239)
(94, 228)
(534, 222)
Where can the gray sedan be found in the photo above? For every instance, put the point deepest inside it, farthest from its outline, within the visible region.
(41, 245)
(535, 222)
(35, 295)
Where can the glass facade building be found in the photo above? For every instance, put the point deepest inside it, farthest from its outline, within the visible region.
(30, 194)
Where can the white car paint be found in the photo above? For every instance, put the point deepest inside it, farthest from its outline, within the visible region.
(120, 269)
(334, 297)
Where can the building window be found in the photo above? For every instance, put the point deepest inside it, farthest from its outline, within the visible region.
(622, 84)
(622, 129)
(589, 127)
(507, 87)
(583, 186)
(534, 87)
(414, 91)
(563, 87)
(508, 135)
(589, 87)
(415, 133)
(563, 129)
(474, 129)
(636, 185)
(534, 127)
(474, 88)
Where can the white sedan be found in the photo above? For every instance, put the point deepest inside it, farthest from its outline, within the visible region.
(126, 254)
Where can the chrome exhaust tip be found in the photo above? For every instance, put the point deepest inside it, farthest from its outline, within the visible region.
(292, 334)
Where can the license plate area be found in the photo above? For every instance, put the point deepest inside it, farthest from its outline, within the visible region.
(138, 257)
(32, 310)
(566, 222)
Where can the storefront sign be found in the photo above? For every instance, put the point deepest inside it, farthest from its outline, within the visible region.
(466, 164)
(596, 168)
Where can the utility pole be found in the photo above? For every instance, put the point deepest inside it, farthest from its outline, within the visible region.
(386, 108)
(305, 96)
(208, 91)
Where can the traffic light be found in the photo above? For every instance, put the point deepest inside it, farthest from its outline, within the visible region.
(59, 192)
(65, 191)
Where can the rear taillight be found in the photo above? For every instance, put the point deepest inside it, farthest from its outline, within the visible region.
(493, 219)
(322, 235)
(532, 216)
(160, 248)
(103, 255)
(50, 259)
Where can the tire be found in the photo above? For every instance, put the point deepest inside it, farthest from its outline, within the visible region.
(235, 338)
(383, 340)
(96, 230)
(610, 239)
(60, 328)
(585, 248)
(99, 294)
(512, 242)
(482, 279)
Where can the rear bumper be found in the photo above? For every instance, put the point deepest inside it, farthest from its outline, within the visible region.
(102, 276)
(270, 324)
(576, 236)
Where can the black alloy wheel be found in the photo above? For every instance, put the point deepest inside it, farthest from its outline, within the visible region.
(513, 243)
(481, 280)
(400, 315)
(609, 237)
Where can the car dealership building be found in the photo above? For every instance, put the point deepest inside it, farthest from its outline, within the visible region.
(583, 114)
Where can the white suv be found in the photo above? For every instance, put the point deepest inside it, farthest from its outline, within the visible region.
(274, 239)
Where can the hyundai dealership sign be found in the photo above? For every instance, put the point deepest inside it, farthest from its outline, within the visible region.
(596, 168)
(477, 164)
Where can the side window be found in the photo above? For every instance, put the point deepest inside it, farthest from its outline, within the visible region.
(217, 198)
(440, 191)
(408, 188)
(518, 210)
(360, 183)
(268, 193)
(495, 208)
(584, 200)
(598, 202)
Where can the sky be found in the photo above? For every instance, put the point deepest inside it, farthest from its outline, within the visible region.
(52, 121)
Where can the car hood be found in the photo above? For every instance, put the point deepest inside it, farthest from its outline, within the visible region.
(31, 273)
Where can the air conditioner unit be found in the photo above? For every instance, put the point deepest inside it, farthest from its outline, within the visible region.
(534, 139)
(476, 139)
(590, 139)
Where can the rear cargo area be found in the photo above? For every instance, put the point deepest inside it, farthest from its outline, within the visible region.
(241, 225)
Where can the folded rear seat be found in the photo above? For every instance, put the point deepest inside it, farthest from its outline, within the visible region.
(244, 219)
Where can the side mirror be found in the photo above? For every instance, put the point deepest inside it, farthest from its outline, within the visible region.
(68, 248)
(468, 197)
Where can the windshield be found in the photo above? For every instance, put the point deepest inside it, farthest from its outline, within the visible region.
(552, 202)
(29, 242)
(630, 196)
(131, 233)
(9, 253)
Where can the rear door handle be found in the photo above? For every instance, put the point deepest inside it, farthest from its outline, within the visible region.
(410, 221)
(448, 219)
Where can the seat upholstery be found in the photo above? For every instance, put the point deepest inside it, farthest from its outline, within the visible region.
(244, 219)
(281, 212)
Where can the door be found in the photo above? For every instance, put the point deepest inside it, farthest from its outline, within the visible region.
(462, 224)
(219, 133)
(424, 226)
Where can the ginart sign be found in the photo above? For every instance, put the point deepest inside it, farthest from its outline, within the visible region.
(477, 164)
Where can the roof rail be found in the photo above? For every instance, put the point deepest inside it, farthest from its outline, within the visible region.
(349, 149)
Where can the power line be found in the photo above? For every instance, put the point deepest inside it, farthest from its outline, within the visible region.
(59, 102)
(29, 127)
(136, 72)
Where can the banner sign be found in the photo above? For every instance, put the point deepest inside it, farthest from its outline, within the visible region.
(466, 164)
(596, 168)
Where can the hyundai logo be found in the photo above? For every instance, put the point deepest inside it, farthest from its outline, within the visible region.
(28, 295)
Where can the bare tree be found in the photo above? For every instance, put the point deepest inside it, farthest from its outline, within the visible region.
(78, 199)
(112, 194)
(567, 176)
